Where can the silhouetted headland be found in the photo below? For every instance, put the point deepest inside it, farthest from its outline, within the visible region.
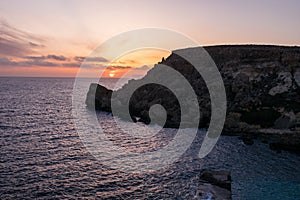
(262, 85)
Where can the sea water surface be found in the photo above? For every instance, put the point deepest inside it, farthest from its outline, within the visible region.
(43, 157)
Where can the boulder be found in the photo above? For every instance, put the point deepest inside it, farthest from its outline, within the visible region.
(220, 178)
(99, 98)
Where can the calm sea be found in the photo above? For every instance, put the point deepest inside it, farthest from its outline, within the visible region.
(43, 157)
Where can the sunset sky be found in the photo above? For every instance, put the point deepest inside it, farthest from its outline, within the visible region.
(52, 37)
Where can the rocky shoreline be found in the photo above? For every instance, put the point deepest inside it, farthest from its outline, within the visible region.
(262, 85)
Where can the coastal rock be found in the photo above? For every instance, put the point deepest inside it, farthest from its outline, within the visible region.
(220, 178)
(99, 98)
(261, 83)
(247, 141)
(285, 82)
(215, 185)
(297, 76)
(209, 191)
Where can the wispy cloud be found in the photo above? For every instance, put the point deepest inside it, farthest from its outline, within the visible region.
(90, 59)
(21, 49)
(48, 57)
(26, 63)
(55, 57)
(127, 61)
(118, 67)
(55, 61)
(15, 42)
(143, 68)
(84, 65)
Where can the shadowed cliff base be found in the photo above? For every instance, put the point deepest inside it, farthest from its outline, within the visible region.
(262, 85)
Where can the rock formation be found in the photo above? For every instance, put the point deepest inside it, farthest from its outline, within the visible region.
(99, 97)
(215, 184)
(262, 86)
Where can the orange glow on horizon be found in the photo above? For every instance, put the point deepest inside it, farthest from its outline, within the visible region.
(116, 73)
(129, 65)
(111, 74)
(141, 57)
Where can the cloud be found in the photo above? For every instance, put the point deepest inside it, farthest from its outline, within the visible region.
(48, 57)
(27, 63)
(79, 58)
(73, 64)
(7, 62)
(125, 62)
(84, 65)
(36, 45)
(40, 63)
(62, 61)
(118, 67)
(94, 66)
(15, 42)
(143, 68)
(59, 58)
(90, 59)
(50, 61)
(20, 49)
(35, 57)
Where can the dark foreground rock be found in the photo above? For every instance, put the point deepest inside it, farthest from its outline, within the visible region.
(218, 178)
(215, 185)
(262, 86)
(99, 98)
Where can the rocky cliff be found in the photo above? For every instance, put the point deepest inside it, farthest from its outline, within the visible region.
(262, 86)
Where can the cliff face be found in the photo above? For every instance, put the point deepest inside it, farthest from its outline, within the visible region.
(262, 86)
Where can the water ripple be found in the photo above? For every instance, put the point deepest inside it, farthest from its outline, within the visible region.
(41, 155)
